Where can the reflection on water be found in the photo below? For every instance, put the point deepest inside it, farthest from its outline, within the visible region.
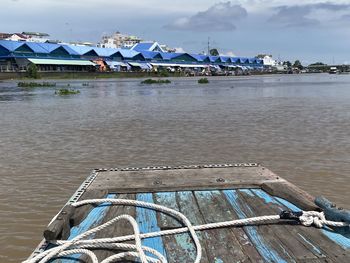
(298, 126)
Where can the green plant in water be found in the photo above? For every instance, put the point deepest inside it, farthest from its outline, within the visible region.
(156, 81)
(63, 92)
(164, 73)
(32, 71)
(203, 81)
(35, 84)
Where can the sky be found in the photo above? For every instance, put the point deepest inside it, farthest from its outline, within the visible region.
(308, 30)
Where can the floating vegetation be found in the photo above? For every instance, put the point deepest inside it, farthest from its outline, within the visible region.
(35, 84)
(63, 92)
(164, 73)
(156, 81)
(203, 81)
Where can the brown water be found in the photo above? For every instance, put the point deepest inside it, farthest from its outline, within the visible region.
(298, 126)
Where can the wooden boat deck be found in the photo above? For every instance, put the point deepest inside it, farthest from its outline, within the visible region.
(205, 194)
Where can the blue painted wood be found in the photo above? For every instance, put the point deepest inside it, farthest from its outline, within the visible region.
(342, 240)
(332, 212)
(314, 248)
(93, 219)
(268, 199)
(147, 220)
(180, 247)
(265, 250)
(223, 244)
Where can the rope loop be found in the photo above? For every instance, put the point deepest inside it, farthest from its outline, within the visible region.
(310, 218)
(82, 245)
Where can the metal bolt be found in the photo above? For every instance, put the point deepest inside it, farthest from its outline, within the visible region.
(157, 182)
(59, 218)
(64, 213)
(333, 205)
(220, 180)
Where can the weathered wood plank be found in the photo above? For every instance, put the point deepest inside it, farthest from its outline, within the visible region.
(81, 212)
(321, 238)
(290, 192)
(188, 206)
(273, 206)
(93, 219)
(180, 247)
(160, 182)
(286, 234)
(182, 179)
(262, 238)
(147, 220)
(222, 244)
(120, 228)
(59, 228)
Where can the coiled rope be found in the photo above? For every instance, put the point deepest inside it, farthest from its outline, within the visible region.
(79, 246)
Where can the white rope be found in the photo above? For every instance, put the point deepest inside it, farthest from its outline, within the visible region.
(318, 219)
(79, 246)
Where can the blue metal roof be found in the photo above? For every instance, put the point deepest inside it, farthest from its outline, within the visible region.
(69, 50)
(168, 56)
(225, 59)
(47, 48)
(198, 57)
(149, 54)
(213, 58)
(127, 53)
(11, 45)
(36, 47)
(81, 50)
(143, 46)
(104, 52)
(252, 60)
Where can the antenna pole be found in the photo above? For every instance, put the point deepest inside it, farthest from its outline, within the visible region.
(208, 46)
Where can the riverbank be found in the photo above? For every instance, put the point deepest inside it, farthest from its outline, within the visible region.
(85, 75)
(100, 75)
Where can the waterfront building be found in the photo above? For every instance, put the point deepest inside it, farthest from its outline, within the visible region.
(268, 60)
(17, 55)
(13, 37)
(36, 37)
(119, 40)
(148, 46)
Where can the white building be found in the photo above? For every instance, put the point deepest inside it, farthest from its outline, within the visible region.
(119, 40)
(13, 37)
(269, 61)
(36, 37)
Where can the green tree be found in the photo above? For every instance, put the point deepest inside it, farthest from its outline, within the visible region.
(32, 71)
(214, 52)
(287, 63)
(297, 64)
(318, 64)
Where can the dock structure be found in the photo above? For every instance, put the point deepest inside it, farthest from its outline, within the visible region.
(204, 194)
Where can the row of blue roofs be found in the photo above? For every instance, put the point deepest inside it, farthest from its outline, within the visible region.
(15, 47)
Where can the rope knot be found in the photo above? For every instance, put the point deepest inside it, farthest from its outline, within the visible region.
(310, 218)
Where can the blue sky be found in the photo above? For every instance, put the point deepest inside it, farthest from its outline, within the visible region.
(308, 30)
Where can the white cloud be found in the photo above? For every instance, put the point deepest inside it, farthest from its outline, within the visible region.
(219, 17)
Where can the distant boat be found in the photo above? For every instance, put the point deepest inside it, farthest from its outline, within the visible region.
(333, 70)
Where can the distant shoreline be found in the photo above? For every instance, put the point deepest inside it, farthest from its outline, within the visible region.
(108, 75)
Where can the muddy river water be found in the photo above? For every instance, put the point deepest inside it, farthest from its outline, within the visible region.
(296, 125)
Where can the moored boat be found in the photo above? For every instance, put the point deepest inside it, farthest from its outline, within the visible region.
(333, 70)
